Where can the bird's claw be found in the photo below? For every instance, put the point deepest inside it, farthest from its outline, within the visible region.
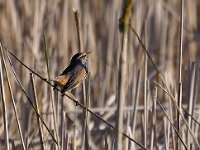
(76, 103)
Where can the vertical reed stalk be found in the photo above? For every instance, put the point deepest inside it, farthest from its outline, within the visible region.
(180, 69)
(87, 115)
(5, 119)
(85, 99)
(37, 108)
(62, 130)
(155, 94)
(192, 98)
(51, 93)
(79, 30)
(136, 100)
(123, 27)
(145, 88)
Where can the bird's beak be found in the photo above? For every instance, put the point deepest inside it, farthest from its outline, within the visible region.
(88, 53)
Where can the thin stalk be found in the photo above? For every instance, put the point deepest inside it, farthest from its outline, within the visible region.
(62, 112)
(5, 120)
(79, 30)
(191, 103)
(145, 91)
(180, 68)
(80, 46)
(37, 108)
(155, 97)
(51, 93)
(136, 99)
(74, 143)
(87, 115)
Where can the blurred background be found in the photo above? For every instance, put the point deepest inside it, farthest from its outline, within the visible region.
(23, 26)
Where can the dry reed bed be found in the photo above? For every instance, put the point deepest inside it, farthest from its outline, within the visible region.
(23, 24)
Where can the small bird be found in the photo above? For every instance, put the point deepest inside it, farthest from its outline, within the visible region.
(74, 74)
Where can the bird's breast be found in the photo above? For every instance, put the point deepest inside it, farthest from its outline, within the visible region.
(85, 63)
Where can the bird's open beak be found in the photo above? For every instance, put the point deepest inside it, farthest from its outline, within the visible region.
(88, 53)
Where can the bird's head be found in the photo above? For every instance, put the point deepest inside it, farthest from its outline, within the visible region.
(80, 57)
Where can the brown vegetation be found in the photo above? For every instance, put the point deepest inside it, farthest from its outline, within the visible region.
(43, 35)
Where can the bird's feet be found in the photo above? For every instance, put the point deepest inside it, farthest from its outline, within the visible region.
(63, 94)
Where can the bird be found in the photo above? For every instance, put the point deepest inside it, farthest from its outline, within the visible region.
(74, 74)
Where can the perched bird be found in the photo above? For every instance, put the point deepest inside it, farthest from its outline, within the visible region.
(74, 74)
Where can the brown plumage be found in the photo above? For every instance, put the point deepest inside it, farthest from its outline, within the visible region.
(74, 74)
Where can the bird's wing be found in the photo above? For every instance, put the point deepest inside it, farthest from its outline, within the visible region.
(61, 80)
(74, 80)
